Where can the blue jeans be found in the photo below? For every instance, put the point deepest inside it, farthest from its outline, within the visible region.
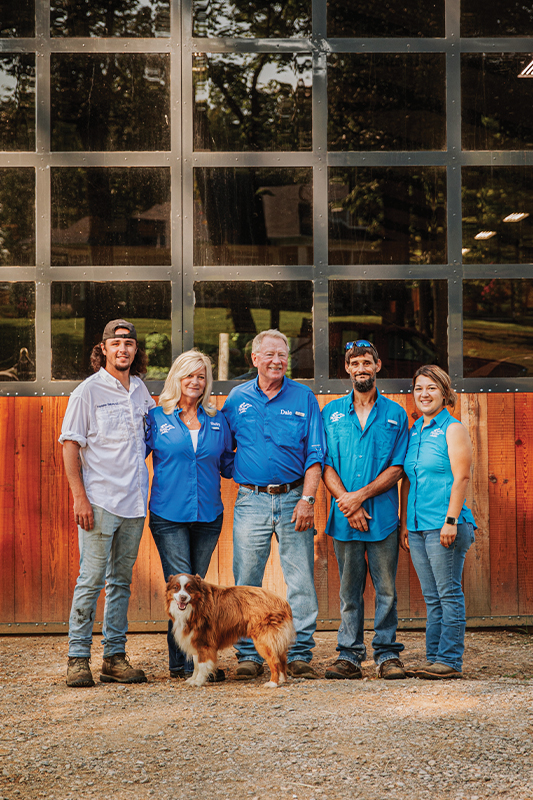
(256, 517)
(107, 556)
(439, 571)
(183, 547)
(382, 563)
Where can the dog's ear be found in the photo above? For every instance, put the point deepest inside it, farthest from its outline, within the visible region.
(171, 579)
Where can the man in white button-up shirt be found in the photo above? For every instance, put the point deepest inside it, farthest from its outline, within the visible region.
(104, 455)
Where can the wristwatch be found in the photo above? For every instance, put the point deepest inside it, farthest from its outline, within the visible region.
(309, 499)
(451, 520)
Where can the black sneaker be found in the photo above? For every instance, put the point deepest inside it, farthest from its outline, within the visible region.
(79, 672)
(343, 669)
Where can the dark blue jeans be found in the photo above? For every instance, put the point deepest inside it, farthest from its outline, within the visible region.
(183, 547)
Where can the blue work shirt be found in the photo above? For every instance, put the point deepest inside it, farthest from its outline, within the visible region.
(427, 465)
(358, 456)
(278, 439)
(186, 485)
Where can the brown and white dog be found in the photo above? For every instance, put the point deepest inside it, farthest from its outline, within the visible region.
(209, 618)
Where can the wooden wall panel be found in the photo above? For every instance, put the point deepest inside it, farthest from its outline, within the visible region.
(524, 500)
(7, 509)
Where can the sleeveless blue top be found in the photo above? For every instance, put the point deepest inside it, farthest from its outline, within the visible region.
(427, 465)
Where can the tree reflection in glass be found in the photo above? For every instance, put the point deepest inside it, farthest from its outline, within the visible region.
(17, 217)
(17, 331)
(497, 18)
(387, 215)
(17, 19)
(146, 18)
(252, 102)
(17, 101)
(394, 18)
(252, 18)
(100, 102)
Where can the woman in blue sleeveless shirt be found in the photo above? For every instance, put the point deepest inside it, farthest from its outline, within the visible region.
(435, 524)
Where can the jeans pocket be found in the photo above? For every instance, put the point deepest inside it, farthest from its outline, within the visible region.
(242, 495)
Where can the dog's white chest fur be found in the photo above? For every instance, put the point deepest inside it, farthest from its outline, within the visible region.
(180, 620)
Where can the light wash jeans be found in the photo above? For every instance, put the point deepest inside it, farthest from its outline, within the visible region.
(257, 517)
(183, 547)
(439, 571)
(382, 563)
(107, 556)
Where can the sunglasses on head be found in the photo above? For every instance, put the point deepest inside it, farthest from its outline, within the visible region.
(359, 343)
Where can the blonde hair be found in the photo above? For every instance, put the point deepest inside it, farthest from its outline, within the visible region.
(273, 333)
(441, 378)
(188, 362)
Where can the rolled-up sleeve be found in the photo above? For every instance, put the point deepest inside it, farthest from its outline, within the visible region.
(316, 439)
(76, 422)
(400, 447)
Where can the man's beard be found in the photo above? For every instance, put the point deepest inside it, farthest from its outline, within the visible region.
(363, 386)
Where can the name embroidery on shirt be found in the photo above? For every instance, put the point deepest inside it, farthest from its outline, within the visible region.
(286, 411)
(299, 413)
(437, 432)
(336, 416)
(392, 421)
(165, 428)
(243, 408)
(215, 426)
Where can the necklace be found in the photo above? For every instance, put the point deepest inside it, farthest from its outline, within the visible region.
(191, 418)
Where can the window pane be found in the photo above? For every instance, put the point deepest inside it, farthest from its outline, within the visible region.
(81, 310)
(262, 18)
(228, 315)
(407, 321)
(244, 102)
(387, 102)
(394, 18)
(17, 102)
(17, 331)
(100, 102)
(110, 216)
(497, 18)
(17, 217)
(110, 18)
(393, 215)
(17, 19)
(253, 216)
(493, 100)
(498, 328)
(497, 215)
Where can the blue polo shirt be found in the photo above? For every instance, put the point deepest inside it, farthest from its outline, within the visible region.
(186, 484)
(278, 439)
(359, 455)
(427, 465)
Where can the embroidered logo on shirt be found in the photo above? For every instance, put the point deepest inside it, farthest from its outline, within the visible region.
(437, 432)
(286, 411)
(392, 421)
(243, 408)
(336, 416)
(299, 413)
(165, 428)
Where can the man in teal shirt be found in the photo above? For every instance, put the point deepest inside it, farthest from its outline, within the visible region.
(367, 438)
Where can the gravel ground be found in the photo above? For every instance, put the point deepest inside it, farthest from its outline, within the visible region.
(327, 740)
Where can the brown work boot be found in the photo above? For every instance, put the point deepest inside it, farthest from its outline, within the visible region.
(391, 670)
(117, 669)
(343, 670)
(302, 669)
(79, 672)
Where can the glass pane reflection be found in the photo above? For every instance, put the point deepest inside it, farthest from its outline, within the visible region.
(253, 216)
(394, 18)
(100, 102)
(80, 311)
(497, 18)
(17, 102)
(146, 18)
(17, 331)
(245, 102)
(228, 315)
(387, 102)
(497, 215)
(407, 321)
(114, 215)
(387, 215)
(17, 19)
(493, 99)
(17, 217)
(260, 18)
(498, 328)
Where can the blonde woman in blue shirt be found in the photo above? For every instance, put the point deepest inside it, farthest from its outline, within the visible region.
(435, 524)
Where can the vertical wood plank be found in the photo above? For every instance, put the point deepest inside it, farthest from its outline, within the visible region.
(524, 500)
(54, 514)
(502, 504)
(477, 564)
(7, 509)
(28, 606)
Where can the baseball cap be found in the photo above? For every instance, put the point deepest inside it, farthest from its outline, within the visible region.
(115, 324)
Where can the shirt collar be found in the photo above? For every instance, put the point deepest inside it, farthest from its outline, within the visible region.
(260, 391)
(111, 381)
(349, 399)
(439, 421)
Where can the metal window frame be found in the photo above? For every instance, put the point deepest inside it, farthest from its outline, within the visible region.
(181, 159)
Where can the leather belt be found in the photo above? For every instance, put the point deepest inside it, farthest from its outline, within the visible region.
(275, 488)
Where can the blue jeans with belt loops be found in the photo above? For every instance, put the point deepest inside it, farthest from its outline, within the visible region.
(257, 517)
(439, 571)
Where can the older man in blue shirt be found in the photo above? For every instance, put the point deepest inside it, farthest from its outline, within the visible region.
(277, 428)
(366, 444)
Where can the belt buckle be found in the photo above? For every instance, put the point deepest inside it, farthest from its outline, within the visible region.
(272, 486)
